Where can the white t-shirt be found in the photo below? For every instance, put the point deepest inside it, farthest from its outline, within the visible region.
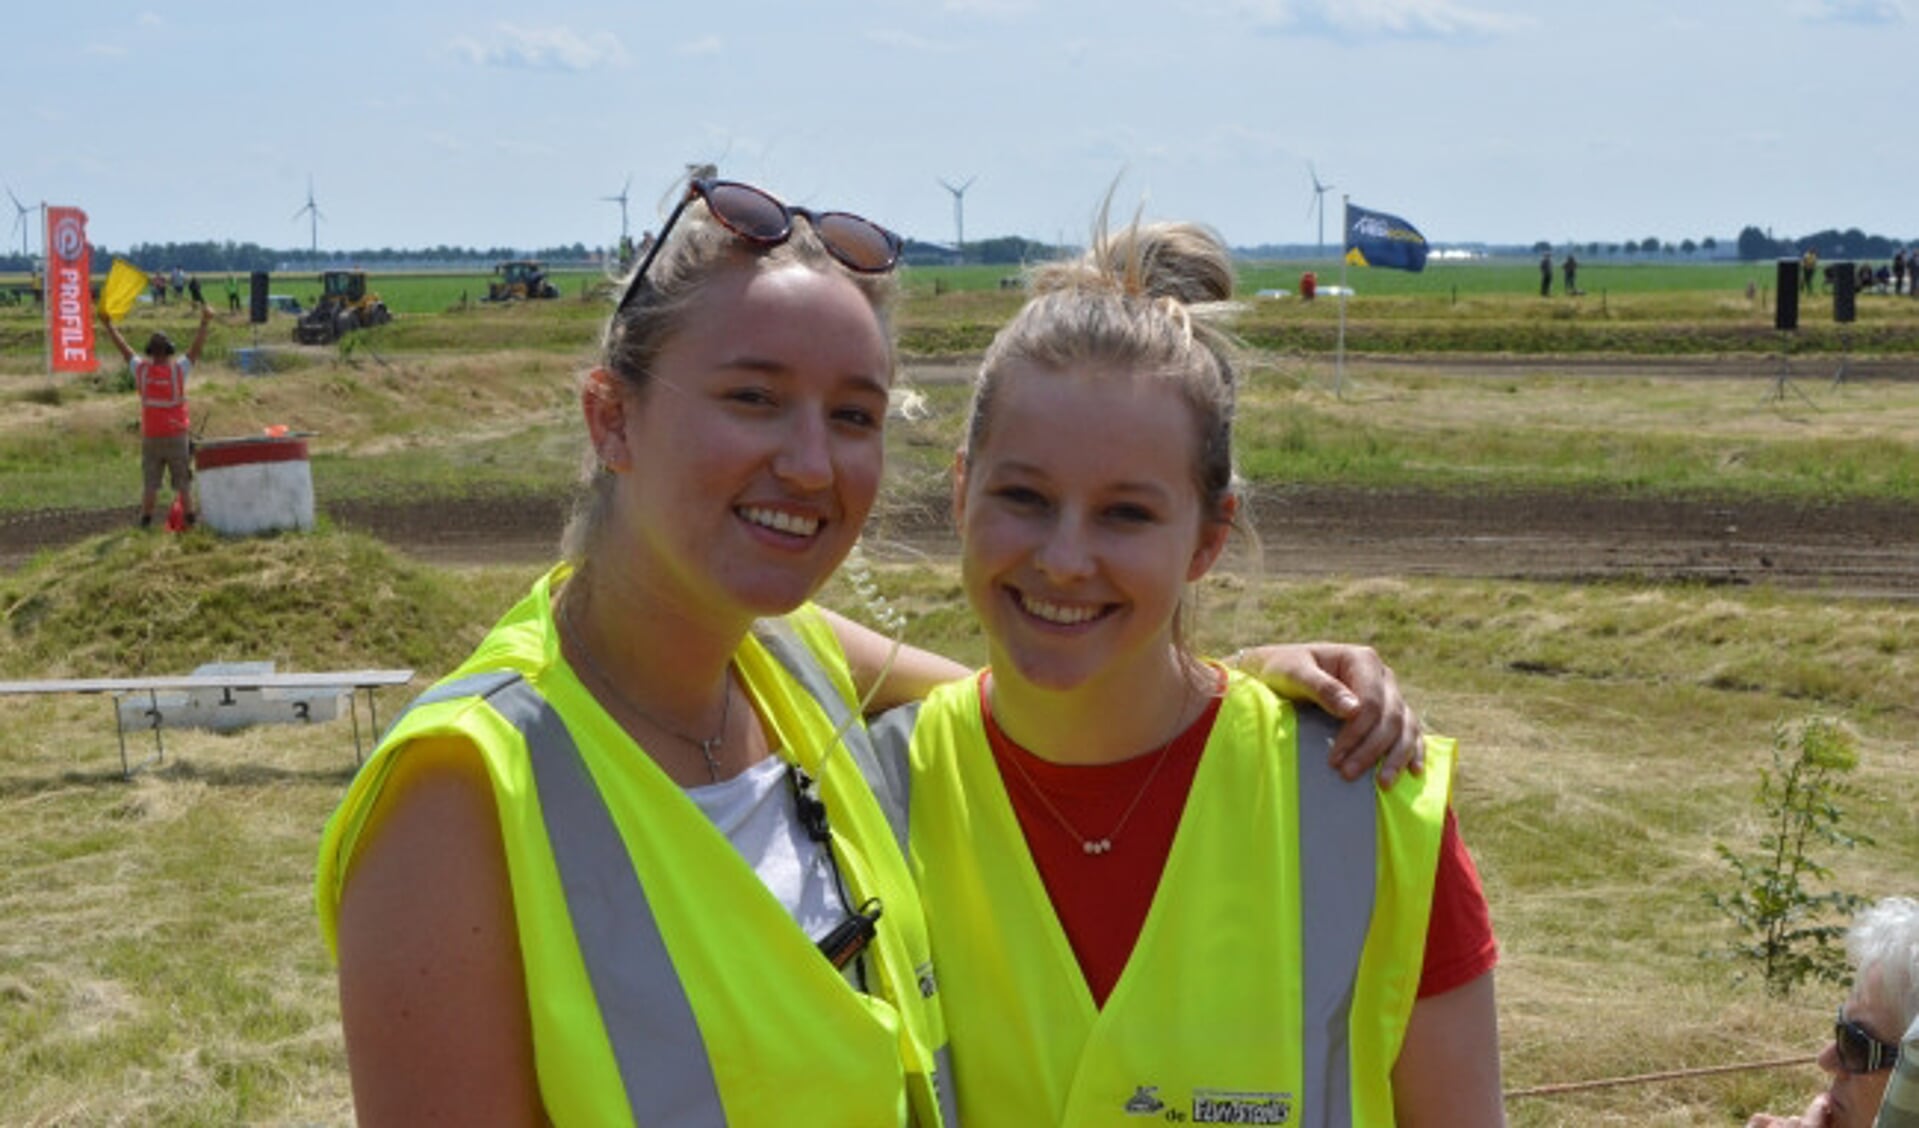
(755, 811)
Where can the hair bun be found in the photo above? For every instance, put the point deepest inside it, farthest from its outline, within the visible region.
(1183, 261)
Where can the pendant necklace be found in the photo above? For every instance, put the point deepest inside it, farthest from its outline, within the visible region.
(1104, 845)
(709, 747)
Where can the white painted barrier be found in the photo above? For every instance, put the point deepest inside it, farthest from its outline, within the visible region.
(253, 486)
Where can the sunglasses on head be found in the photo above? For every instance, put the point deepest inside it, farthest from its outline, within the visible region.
(856, 242)
(1859, 1051)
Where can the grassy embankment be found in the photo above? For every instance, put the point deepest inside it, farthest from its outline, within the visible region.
(158, 960)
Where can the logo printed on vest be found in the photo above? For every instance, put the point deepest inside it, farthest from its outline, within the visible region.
(1220, 1106)
(1144, 1101)
(928, 985)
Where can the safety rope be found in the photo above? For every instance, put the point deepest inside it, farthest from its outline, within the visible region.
(1645, 1078)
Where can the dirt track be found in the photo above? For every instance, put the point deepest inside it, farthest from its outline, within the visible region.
(1869, 549)
(1857, 548)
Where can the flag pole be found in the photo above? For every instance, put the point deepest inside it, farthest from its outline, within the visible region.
(1339, 354)
(46, 287)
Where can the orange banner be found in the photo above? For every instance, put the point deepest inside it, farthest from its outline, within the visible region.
(69, 291)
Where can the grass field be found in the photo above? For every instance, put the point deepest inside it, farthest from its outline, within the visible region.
(1480, 307)
(159, 962)
(464, 420)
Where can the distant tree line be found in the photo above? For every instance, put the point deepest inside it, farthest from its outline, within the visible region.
(1650, 245)
(241, 258)
(1755, 244)
(1009, 250)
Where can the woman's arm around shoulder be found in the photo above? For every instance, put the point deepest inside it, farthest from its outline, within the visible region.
(432, 994)
(913, 674)
(1447, 1075)
(1354, 684)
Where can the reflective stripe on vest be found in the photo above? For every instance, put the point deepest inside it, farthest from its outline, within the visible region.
(887, 776)
(150, 395)
(649, 1021)
(882, 763)
(1337, 844)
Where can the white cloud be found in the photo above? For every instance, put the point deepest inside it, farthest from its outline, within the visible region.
(551, 48)
(1872, 13)
(149, 19)
(107, 50)
(705, 45)
(1383, 19)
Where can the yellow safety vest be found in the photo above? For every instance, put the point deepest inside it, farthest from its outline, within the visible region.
(666, 984)
(1276, 969)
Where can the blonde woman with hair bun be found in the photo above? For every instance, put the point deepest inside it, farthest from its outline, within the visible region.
(1148, 894)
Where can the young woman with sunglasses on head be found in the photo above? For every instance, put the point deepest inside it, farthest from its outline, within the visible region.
(1147, 895)
(628, 869)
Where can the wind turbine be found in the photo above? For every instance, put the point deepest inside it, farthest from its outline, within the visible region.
(312, 211)
(621, 200)
(959, 214)
(20, 220)
(1319, 202)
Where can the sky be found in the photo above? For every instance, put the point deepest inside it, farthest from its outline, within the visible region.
(477, 124)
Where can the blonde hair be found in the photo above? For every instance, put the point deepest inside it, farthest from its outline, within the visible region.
(700, 251)
(1144, 301)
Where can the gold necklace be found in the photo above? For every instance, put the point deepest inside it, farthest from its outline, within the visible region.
(709, 747)
(1104, 845)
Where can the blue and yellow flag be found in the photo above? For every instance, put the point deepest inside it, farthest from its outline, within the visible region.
(1377, 239)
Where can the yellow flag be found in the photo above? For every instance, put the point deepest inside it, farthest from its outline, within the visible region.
(124, 285)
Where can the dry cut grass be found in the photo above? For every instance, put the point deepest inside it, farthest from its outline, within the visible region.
(159, 962)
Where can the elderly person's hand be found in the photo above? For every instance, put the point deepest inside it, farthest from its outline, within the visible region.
(1815, 1116)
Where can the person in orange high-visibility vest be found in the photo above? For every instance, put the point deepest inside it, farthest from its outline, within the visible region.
(160, 376)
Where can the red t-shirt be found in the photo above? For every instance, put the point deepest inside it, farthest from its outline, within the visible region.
(1102, 899)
